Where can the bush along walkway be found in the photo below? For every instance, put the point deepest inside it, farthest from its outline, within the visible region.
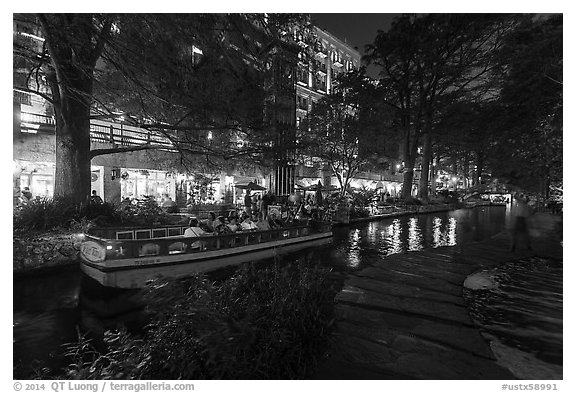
(405, 318)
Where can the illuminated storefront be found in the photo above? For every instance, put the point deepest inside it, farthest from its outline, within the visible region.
(39, 178)
(138, 183)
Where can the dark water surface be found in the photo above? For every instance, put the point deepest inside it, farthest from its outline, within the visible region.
(50, 310)
(522, 316)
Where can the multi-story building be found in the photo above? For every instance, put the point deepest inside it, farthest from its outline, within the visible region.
(322, 59)
(302, 79)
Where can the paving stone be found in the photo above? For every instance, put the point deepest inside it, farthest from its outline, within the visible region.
(425, 360)
(424, 271)
(411, 280)
(441, 265)
(343, 369)
(423, 307)
(451, 336)
(400, 289)
(388, 319)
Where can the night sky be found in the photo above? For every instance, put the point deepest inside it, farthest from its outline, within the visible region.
(357, 30)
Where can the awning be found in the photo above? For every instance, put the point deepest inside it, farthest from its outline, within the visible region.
(252, 186)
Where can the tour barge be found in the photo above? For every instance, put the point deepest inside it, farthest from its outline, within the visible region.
(130, 258)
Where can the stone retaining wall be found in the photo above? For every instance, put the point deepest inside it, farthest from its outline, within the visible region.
(44, 251)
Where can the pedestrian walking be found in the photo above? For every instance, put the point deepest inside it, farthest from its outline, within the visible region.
(520, 212)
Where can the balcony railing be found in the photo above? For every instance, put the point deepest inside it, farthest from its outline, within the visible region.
(102, 131)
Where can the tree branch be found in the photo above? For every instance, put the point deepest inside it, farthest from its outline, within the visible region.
(101, 152)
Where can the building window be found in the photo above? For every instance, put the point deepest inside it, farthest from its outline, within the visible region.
(320, 82)
(302, 103)
(303, 75)
(22, 97)
(320, 66)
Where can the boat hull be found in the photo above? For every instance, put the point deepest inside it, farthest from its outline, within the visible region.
(137, 272)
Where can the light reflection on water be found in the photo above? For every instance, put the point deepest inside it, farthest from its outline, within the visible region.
(354, 255)
(361, 245)
(414, 235)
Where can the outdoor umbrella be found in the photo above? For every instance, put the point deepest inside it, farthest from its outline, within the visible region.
(252, 186)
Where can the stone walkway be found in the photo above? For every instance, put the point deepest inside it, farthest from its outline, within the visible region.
(405, 318)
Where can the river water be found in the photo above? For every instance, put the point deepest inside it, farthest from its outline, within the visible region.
(52, 310)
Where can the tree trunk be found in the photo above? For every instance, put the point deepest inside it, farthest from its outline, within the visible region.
(74, 45)
(409, 161)
(407, 182)
(433, 180)
(72, 176)
(454, 171)
(426, 160)
(466, 170)
(409, 154)
(479, 168)
(433, 174)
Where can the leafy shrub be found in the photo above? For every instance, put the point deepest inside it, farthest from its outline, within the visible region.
(260, 324)
(146, 211)
(42, 214)
(49, 213)
(173, 209)
(359, 212)
(363, 197)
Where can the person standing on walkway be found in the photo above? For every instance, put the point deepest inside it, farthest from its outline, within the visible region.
(520, 212)
(95, 198)
(265, 203)
(248, 202)
(26, 195)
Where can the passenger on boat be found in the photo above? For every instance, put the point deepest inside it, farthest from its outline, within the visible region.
(233, 225)
(233, 214)
(247, 224)
(195, 231)
(262, 224)
(211, 222)
(220, 227)
(204, 226)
